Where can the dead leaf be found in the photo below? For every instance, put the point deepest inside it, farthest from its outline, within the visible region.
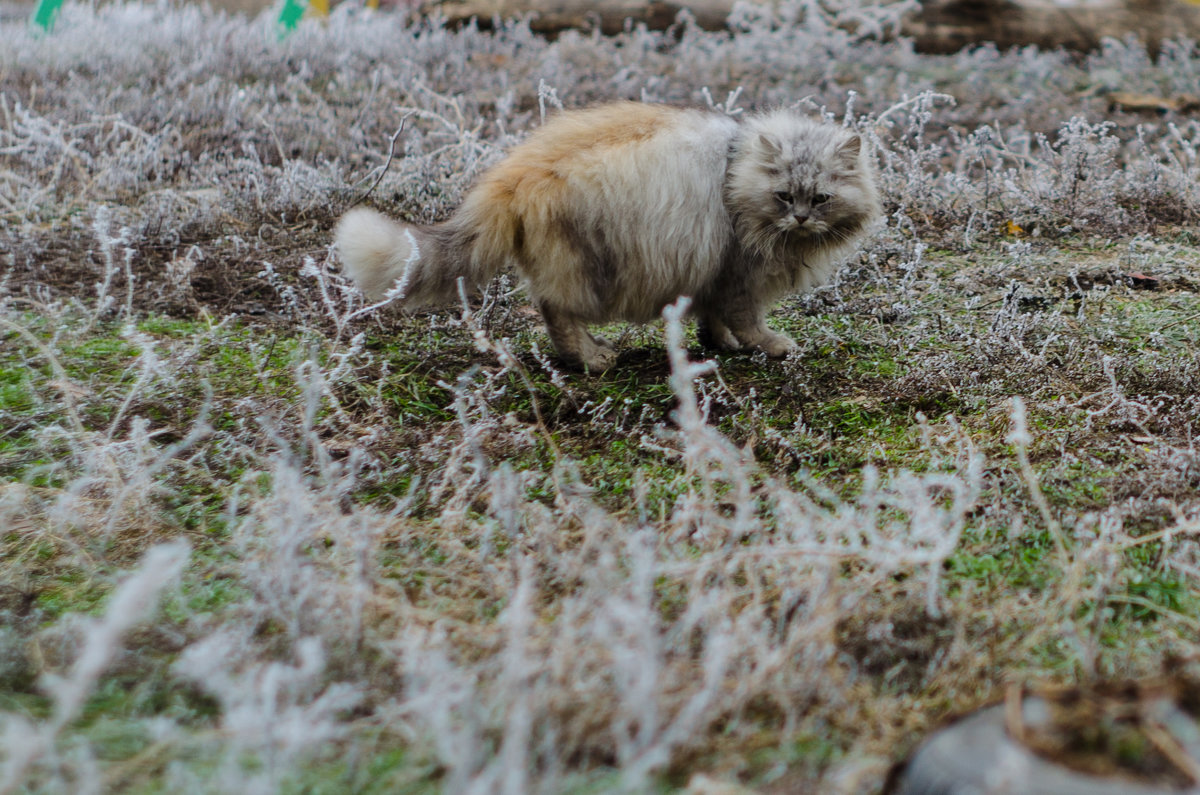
(1133, 102)
(1140, 281)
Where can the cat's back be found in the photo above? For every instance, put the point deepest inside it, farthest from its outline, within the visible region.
(612, 210)
(624, 125)
(606, 142)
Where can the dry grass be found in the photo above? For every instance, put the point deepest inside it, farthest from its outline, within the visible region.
(257, 539)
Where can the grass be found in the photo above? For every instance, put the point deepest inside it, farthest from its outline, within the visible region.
(412, 553)
(828, 426)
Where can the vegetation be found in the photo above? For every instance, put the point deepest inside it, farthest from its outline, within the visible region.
(258, 539)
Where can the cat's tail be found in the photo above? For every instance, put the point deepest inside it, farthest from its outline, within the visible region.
(422, 264)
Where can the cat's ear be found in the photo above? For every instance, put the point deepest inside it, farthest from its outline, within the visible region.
(771, 144)
(848, 153)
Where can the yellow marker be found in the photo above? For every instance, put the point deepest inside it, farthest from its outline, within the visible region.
(319, 7)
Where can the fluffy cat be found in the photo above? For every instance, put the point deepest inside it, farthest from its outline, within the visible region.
(613, 212)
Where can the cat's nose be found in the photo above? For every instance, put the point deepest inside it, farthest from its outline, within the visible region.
(800, 218)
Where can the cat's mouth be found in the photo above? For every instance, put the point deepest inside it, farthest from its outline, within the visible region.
(809, 226)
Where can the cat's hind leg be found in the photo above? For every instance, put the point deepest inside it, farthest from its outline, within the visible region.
(575, 345)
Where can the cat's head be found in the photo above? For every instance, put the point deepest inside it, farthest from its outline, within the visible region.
(794, 179)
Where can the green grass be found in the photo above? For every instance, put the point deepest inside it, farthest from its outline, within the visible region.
(377, 769)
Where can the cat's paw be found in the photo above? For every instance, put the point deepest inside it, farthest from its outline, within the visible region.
(600, 359)
(776, 345)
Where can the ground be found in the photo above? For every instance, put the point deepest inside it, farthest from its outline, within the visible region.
(257, 538)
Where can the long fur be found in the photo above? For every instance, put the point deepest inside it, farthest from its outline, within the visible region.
(612, 212)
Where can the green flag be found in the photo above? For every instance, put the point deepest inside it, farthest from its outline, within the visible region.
(45, 13)
(289, 14)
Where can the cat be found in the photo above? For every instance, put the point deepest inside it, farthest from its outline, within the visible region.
(614, 211)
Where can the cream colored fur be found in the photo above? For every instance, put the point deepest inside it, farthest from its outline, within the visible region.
(376, 251)
(611, 213)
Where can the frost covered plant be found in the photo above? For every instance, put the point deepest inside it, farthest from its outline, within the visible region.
(29, 749)
(278, 143)
(655, 643)
(272, 712)
(1080, 177)
(425, 555)
(832, 24)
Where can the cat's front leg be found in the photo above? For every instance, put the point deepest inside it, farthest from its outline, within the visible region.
(772, 343)
(741, 324)
(575, 345)
(715, 334)
(752, 332)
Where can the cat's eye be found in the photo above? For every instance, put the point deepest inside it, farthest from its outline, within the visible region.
(783, 196)
(821, 198)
